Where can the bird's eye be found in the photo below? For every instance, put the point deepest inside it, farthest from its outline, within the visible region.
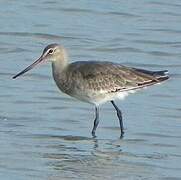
(50, 51)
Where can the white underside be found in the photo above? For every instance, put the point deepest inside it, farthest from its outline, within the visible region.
(113, 96)
(100, 97)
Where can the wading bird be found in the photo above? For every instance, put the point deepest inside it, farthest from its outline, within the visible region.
(96, 82)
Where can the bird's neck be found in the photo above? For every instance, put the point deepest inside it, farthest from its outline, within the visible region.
(59, 70)
(61, 63)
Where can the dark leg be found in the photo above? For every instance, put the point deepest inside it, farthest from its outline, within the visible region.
(96, 121)
(119, 114)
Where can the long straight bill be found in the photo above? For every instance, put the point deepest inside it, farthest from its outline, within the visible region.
(29, 67)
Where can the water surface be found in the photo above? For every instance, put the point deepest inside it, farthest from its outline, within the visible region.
(45, 134)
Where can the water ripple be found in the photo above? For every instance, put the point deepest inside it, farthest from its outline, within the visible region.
(38, 35)
(157, 42)
(165, 4)
(40, 140)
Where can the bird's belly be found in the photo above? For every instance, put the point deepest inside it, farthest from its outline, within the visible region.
(98, 97)
(89, 97)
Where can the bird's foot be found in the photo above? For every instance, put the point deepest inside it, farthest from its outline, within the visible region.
(122, 135)
(94, 134)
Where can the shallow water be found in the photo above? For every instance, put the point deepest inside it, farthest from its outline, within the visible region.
(45, 134)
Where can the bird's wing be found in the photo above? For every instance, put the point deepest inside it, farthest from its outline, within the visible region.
(110, 77)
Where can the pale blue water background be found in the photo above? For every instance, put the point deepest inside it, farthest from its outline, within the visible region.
(45, 134)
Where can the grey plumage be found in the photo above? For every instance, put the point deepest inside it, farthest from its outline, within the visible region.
(110, 77)
(90, 80)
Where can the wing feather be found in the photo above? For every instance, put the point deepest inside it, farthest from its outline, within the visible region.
(108, 77)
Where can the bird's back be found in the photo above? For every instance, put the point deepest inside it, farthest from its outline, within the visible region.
(112, 76)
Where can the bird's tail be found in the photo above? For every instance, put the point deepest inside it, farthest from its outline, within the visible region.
(158, 75)
(161, 75)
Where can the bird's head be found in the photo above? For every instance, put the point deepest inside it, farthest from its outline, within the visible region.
(51, 53)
